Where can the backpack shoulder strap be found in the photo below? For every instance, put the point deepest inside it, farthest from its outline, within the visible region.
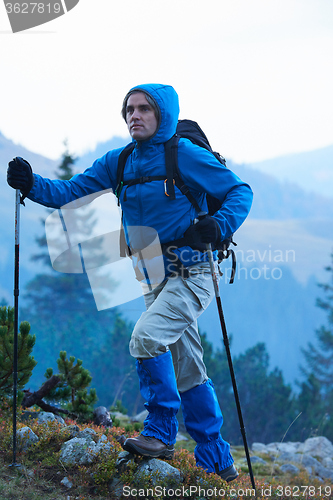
(171, 163)
(125, 153)
(173, 172)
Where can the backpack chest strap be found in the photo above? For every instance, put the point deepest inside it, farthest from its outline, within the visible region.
(138, 180)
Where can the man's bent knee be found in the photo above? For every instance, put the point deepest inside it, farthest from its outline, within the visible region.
(143, 345)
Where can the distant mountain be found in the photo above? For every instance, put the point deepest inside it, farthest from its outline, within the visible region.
(84, 161)
(282, 250)
(8, 150)
(312, 170)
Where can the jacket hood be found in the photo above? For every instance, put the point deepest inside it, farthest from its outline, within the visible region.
(167, 101)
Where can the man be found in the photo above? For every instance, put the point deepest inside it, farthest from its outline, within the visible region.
(165, 340)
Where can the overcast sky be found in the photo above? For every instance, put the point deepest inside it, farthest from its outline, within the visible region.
(257, 75)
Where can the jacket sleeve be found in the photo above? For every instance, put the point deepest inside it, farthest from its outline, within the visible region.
(57, 193)
(203, 173)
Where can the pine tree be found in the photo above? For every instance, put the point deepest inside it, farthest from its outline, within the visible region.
(72, 388)
(319, 358)
(316, 397)
(266, 401)
(26, 362)
(115, 369)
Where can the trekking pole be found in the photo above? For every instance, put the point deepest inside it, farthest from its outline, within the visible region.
(16, 295)
(231, 368)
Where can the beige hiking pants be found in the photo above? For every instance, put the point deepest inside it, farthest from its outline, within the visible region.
(170, 322)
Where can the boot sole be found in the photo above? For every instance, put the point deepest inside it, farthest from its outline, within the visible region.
(152, 454)
(230, 478)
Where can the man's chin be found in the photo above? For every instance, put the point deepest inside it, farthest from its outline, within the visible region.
(139, 136)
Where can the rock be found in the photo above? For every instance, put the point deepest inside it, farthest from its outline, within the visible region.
(288, 447)
(312, 465)
(123, 458)
(26, 438)
(116, 487)
(181, 437)
(315, 455)
(87, 433)
(70, 431)
(67, 483)
(158, 470)
(257, 460)
(140, 417)
(259, 448)
(318, 447)
(289, 469)
(44, 417)
(83, 450)
(328, 463)
(102, 417)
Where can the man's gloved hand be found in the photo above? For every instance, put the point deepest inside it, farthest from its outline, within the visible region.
(20, 175)
(207, 230)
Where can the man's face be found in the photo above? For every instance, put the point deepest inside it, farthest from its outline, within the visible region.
(140, 117)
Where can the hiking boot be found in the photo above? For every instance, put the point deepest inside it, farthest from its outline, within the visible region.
(148, 447)
(228, 474)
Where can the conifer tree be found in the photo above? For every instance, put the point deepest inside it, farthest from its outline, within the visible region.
(266, 401)
(26, 342)
(316, 397)
(72, 388)
(319, 358)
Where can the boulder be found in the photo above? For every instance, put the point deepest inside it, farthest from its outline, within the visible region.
(288, 447)
(259, 447)
(45, 417)
(158, 470)
(87, 433)
(140, 417)
(289, 469)
(257, 460)
(102, 417)
(319, 447)
(26, 438)
(312, 465)
(83, 450)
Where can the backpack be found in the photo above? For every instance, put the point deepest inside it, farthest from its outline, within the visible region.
(187, 129)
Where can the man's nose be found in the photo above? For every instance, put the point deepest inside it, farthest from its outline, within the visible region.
(136, 114)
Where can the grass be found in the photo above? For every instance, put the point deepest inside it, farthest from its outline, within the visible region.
(40, 473)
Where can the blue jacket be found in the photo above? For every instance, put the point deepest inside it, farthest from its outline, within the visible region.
(146, 204)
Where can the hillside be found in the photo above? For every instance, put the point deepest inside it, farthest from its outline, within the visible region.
(311, 170)
(282, 250)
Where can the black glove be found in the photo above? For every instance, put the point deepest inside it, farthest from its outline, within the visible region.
(207, 230)
(20, 175)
